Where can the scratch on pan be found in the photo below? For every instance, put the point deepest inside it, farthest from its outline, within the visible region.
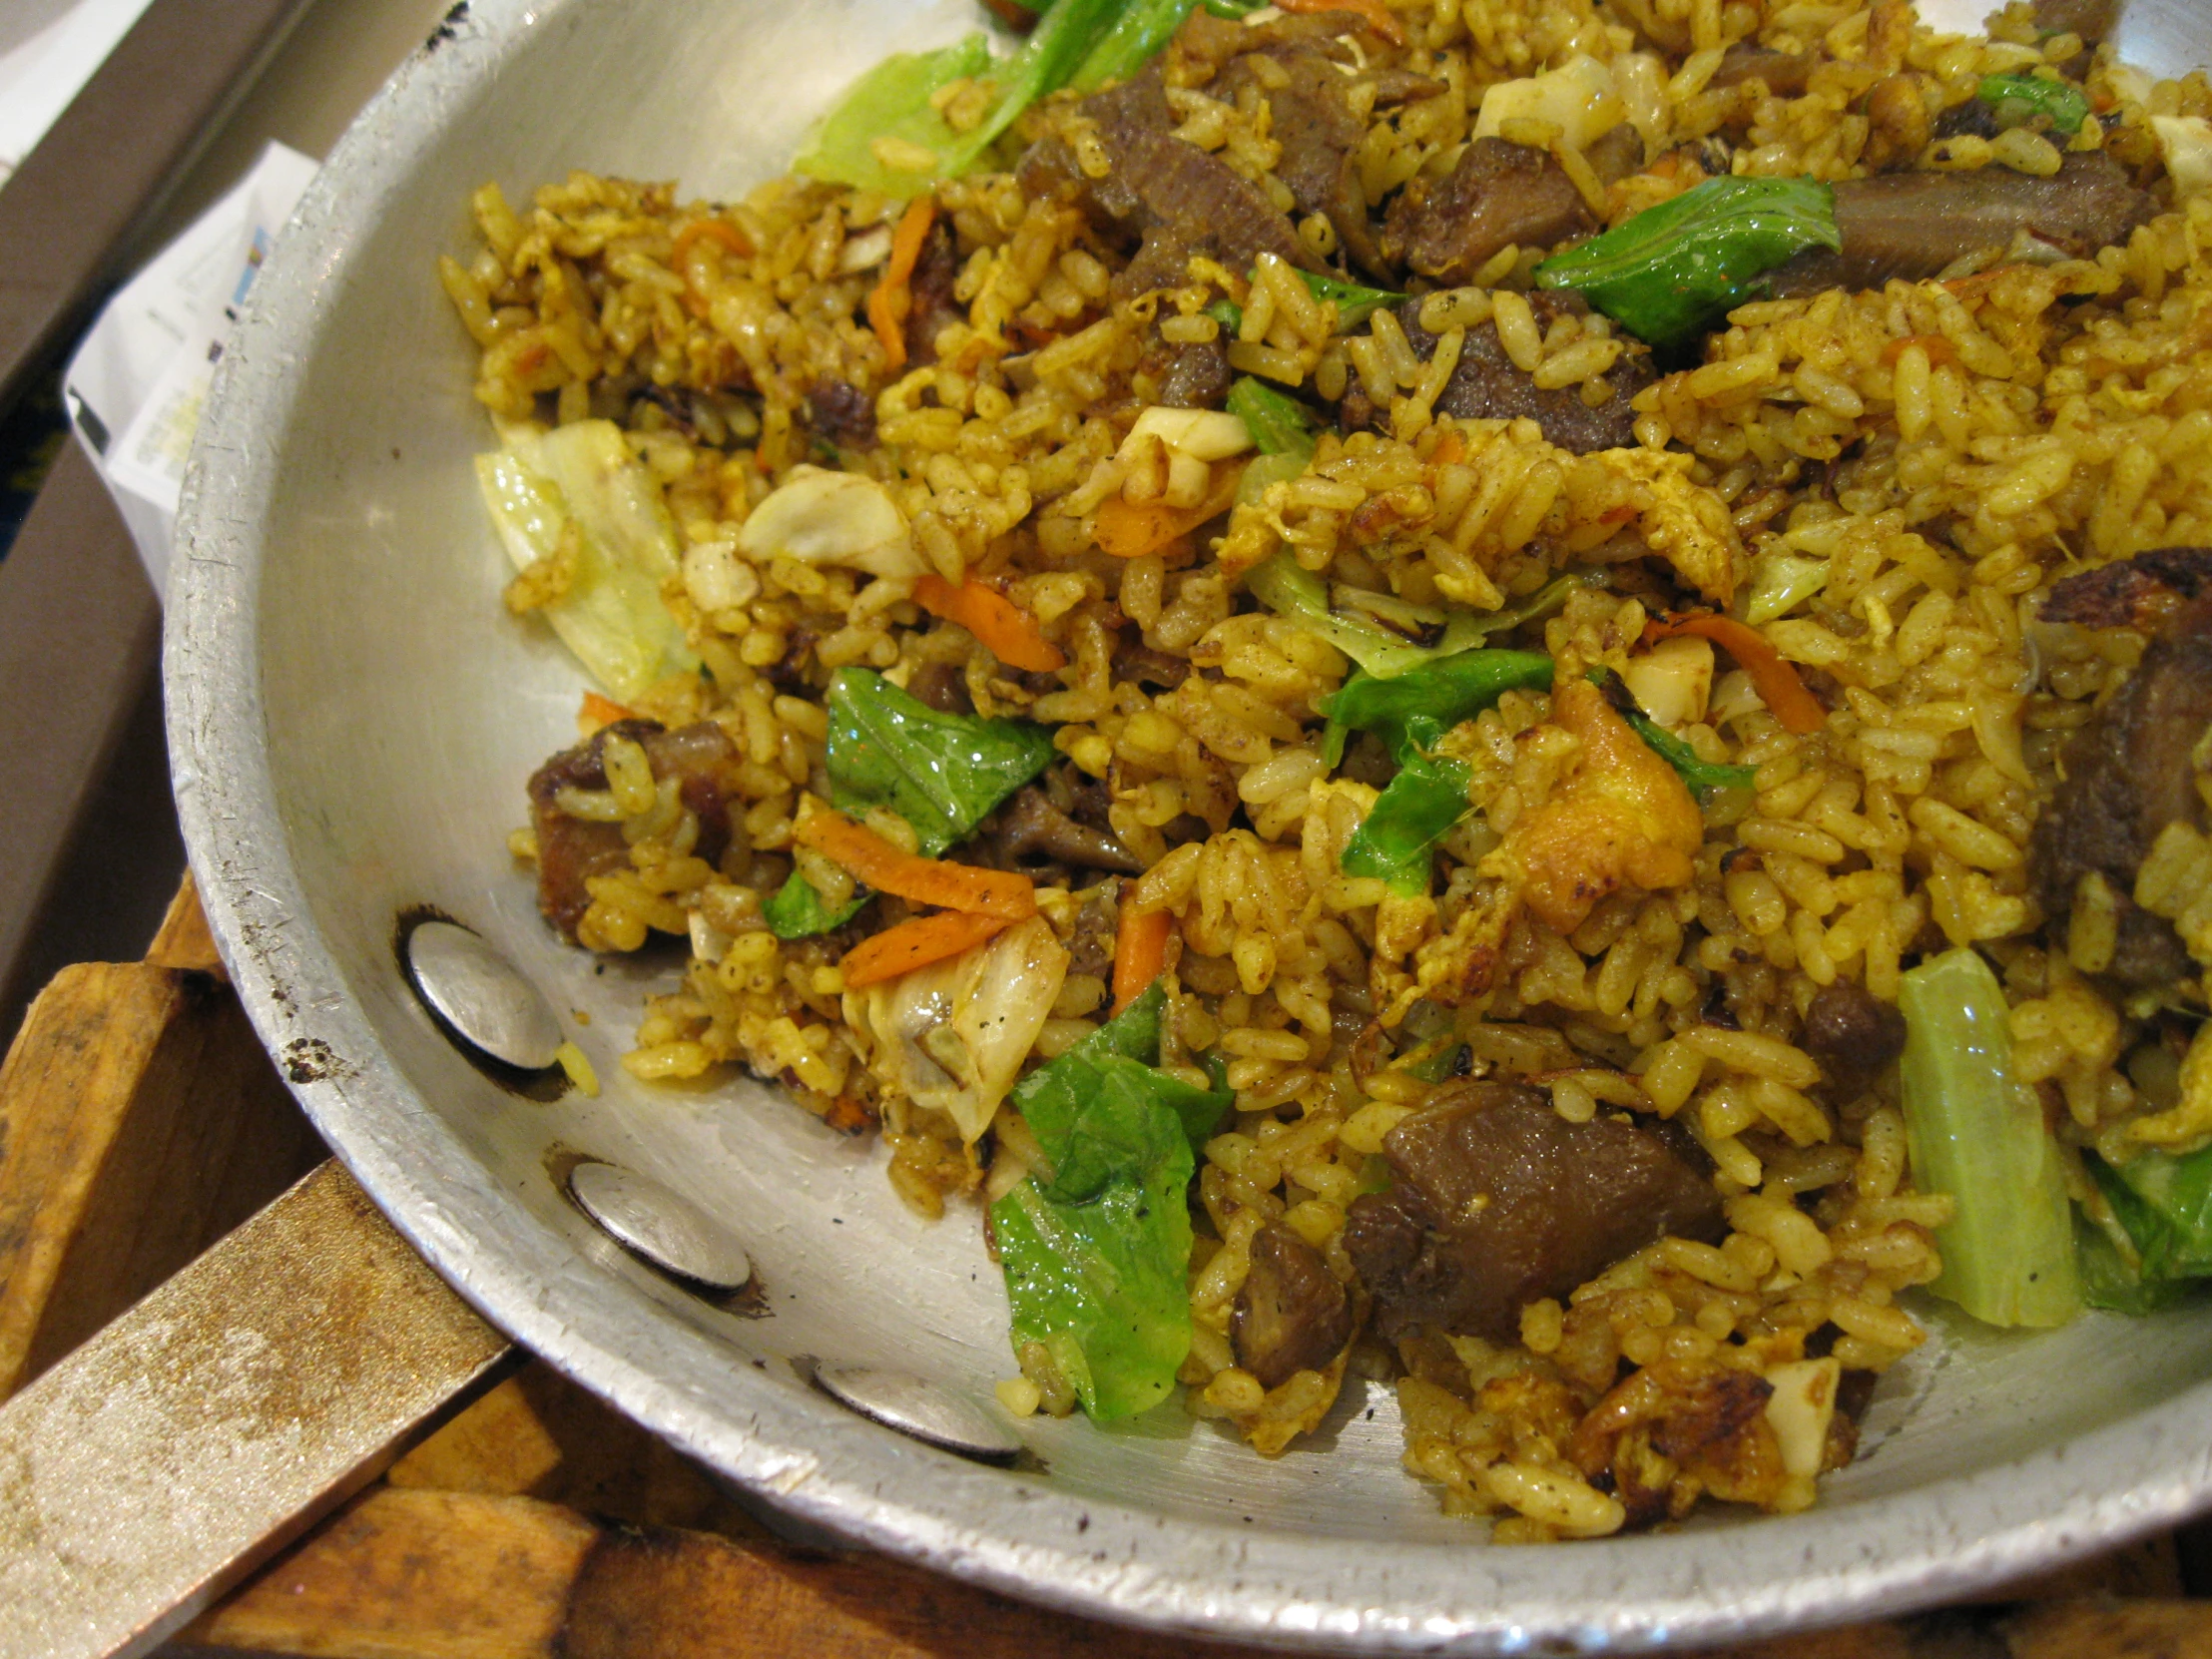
(794, 1475)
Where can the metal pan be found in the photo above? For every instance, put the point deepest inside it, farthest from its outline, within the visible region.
(352, 723)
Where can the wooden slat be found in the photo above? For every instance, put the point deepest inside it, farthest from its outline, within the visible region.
(139, 1122)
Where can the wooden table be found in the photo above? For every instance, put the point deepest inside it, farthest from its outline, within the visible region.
(139, 1121)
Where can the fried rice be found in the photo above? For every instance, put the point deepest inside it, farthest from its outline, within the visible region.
(1947, 448)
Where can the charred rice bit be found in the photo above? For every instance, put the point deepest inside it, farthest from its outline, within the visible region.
(1944, 450)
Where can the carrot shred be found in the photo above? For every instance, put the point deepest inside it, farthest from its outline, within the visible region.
(916, 943)
(891, 300)
(1011, 632)
(1140, 952)
(875, 860)
(599, 712)
(1451, 449)
(1375, 13)
(1939, 351)
(1774, 677)
(1131, 529)
(720, 230)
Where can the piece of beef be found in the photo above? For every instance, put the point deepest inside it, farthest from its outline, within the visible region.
(1973, 119)
(1499, 1202)
(1193, 375)
(1913, 225)
(1486, 385)
(2093, 20)
(1031, 827)
(935, 272)
(1785, 73)
(843, 413)
(1321, 135)
(1291, 1315)
(1208, 44)
(1169, 196)
(1499, 195)
(1091, 943)
(2130, 771)
(2143, 592)
(1853, 1034)
(571, 850)
(942, 687)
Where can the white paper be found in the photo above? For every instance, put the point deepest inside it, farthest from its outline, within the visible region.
(140, 376)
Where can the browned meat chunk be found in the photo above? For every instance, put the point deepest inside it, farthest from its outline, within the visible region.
(2129, 772)
(1501, 195)
(1486, 386)
(942, 687)
(1171, 196)
(1291, 1315)
(572, 851)
(935, 272)
(1853, 1034)
(1310, 100)
(1784, 72)
(2091, 19)
(1500, 1202)
(1029, 828)
(1208, 44)
(1091, 944)
(2143, 592)
(1913, 225)
(1196, 376)
(843, 413)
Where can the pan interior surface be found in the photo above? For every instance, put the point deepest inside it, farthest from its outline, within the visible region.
(353, 719)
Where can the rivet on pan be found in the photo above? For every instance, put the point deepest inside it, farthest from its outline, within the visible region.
(481, 995)
(672, 1232)
(922, 1409)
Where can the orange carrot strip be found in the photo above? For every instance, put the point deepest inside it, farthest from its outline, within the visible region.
(721, 229)
(1140, 952)
(1939, 351)
(602, 710)
(1011, 632)
(1131, 529)
(916, 943)
(1375, 14)
(875, 860)
(891, 300)
(1451, 449)
(1776, 681)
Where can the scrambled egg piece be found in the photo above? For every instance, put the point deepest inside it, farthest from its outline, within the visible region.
(1685, 525)
(1619, 815)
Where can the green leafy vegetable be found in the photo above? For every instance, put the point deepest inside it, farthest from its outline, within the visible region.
(1233, 9)
(577, 494)
(1701, 775)
(891, 101)
(1667, 273)
(2166, 1204)
(2021, 98)
(2114, 1276)
(1979, 1135)
(1397, 841)
(1279, 425)
(941, 772)
(1289, 589)
(1441, 693)
(1097, 1254)
(1355, 305)
(1429, 795)
(1142, 29)
(1228, 313)
(1435, 1052)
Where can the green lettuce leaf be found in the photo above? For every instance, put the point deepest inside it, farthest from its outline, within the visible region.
(2165, 1203)
(942, 774)
(1097, 1256)
(891, 101)
(1669, 273)
(1397, 841)
(1974, 1133)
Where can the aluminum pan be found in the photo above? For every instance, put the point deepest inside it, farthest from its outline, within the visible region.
(351, 723)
